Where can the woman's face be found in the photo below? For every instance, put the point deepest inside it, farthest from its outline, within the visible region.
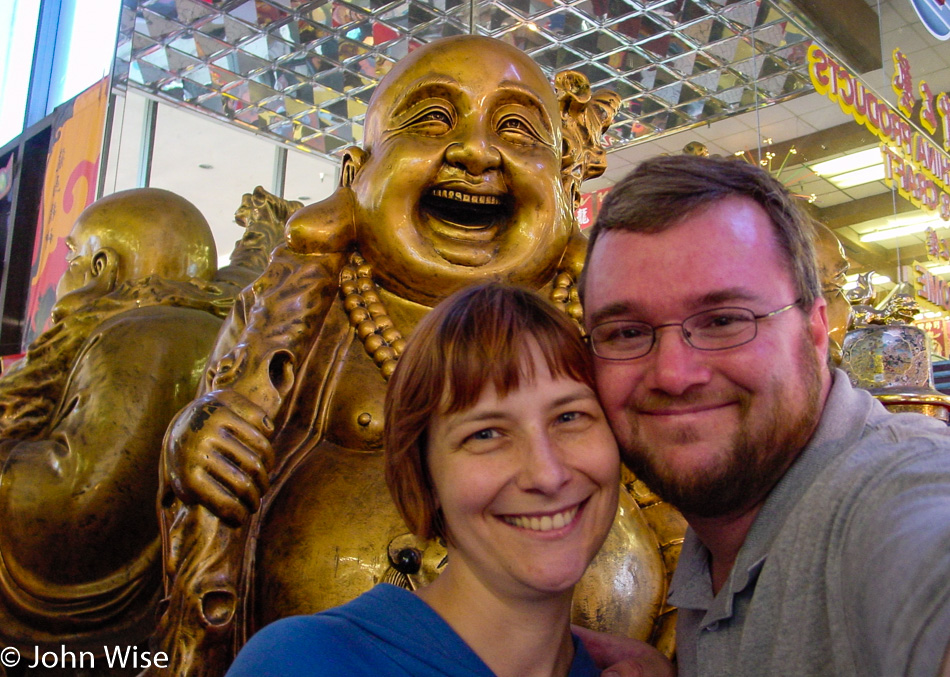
(527, 483)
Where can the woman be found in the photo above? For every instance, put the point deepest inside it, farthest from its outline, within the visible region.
(496, 444)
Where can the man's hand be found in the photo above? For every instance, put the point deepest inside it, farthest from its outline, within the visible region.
(624, 657)
(217, 454)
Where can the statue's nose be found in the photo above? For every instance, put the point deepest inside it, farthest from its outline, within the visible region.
(476, 154)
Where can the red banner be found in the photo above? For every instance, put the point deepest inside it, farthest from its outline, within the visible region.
(69, 187)
(937, 330)
(589, 207)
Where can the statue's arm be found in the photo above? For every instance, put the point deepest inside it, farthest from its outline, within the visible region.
(32, 388)
(217, 451)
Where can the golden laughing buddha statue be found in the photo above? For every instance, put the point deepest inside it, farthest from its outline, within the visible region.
(274, 499)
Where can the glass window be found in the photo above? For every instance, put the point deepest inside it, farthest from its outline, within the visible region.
(212, 165)
(85, 45)
(16, 58)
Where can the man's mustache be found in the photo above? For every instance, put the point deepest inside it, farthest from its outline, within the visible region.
(701, 397)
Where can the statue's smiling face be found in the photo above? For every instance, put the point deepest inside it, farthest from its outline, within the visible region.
(462, 181)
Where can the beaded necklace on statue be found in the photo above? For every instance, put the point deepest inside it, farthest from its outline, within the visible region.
(380, 337)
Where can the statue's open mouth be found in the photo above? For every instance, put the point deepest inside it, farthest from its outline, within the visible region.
(467, 210)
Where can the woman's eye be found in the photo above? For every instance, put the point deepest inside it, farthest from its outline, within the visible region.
(486, 434)
(575, 420)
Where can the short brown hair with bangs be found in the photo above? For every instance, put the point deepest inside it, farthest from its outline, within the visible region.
(477, 336)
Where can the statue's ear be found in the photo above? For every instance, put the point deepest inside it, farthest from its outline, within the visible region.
(104, 267)
(353, 159)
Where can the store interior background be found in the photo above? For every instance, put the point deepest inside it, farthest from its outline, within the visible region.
(215, 98)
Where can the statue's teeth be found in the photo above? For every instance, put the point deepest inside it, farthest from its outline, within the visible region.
(466, 197)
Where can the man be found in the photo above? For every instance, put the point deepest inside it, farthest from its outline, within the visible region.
(819, 540)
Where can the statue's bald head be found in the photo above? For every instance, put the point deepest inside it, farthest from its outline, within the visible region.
(140, 232)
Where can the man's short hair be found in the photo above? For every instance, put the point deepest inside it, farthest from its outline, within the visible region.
(664, 190)
(478, 336)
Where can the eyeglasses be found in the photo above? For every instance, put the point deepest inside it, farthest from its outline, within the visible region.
(715, 329)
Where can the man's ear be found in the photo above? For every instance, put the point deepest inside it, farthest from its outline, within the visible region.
(818, 325)
(353, 159)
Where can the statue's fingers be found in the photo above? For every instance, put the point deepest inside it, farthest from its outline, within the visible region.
(247, 447)
(219, 501)
(252, 460)
(229, 493)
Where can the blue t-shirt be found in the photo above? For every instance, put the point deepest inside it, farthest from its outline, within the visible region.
(386, 631)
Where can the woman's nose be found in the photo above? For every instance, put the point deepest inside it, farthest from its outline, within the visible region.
(543, 467)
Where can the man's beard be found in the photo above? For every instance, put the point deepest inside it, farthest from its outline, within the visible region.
(752, 463)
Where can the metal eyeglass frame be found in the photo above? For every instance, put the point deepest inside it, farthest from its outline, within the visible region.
(686, 334)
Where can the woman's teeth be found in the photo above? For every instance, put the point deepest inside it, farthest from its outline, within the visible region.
(545, 523)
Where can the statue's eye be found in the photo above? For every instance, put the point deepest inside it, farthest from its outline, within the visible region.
(520, 124)
(515, 124)
(431, 117)
(435, 116)
(517, 129)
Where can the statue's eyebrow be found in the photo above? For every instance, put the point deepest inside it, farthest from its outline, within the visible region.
(515, 91)
(426, 87)
(445, 87)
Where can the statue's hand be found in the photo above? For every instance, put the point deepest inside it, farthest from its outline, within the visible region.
(624, 657)
(217, 454)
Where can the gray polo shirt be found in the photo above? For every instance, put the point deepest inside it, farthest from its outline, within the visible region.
(846, 569)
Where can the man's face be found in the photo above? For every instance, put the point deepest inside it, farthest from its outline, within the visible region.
(710, 431)
(462, 181)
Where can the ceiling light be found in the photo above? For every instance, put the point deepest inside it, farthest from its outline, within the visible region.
(901, 226)
(888, 233)
(939, 270)
(848, 163)
(858, 176)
